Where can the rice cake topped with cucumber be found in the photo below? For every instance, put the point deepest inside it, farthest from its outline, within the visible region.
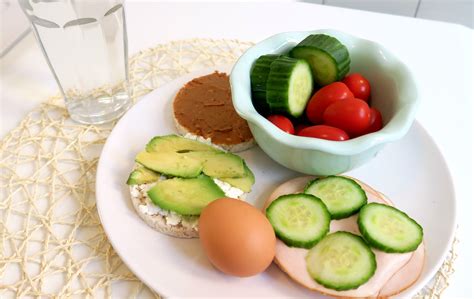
(342, 238)
(175, 178)
(203, 107)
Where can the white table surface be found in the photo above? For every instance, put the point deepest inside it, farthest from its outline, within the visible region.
(439, 54)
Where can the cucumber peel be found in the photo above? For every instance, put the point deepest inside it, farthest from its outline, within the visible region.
(328, 57)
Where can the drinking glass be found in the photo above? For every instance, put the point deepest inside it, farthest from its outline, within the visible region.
(85, 45)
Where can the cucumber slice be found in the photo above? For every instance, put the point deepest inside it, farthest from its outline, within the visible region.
(299, 220)
(289, 86)
(342, 196)
(141, 175)
(329, 58)
(258, 81)
(389, 229)
(341, 261)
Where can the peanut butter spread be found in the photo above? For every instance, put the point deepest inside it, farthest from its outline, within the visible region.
(204, 107)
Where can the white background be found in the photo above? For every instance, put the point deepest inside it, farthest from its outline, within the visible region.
(456, 11)
(439, 54)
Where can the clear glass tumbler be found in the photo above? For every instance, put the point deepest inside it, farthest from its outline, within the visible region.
(85, 45)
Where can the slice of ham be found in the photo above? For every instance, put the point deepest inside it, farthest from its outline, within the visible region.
(406, 276)
(292, 260)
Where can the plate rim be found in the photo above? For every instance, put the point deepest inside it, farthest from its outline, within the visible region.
(410, 291)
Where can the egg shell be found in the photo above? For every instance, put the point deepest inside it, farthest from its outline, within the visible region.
(236, 237)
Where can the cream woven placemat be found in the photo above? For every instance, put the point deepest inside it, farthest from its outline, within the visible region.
(52, 243)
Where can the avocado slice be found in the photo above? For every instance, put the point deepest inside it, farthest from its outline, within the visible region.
(244, 183)
(175, 143)
(181, 157)
(203, 157)
(218, 164)
(185, 196)
(170, 163)
(224, 165)
(141, 175)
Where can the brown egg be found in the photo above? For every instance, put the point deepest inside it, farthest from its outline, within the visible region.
(237, 238)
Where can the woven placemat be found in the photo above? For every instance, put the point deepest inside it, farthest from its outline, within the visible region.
(52, 242)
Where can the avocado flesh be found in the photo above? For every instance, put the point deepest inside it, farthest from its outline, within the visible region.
(185, 196)
(224, 165)
(142, 175)
(244, 183)
(202, 157)
(178, 156)
(175, 143)
(170, 163)
(219, 164)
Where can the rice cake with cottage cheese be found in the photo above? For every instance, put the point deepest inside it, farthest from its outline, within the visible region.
(170, 203)
(169, 222)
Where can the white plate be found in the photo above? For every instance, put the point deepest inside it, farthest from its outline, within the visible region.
(412, 172)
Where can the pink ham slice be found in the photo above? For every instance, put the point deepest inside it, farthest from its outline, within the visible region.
(408, 274)
(292, 260)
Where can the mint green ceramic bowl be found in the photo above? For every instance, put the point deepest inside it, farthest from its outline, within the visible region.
(394, 93)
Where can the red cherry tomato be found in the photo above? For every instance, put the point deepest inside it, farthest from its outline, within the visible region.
(352, 116)
(359, 86)
(282, 122)
(300, 127)
(323, 98)
(376, 122)
(324, 132)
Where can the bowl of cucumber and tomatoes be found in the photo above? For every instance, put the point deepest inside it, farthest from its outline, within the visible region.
(323, 102)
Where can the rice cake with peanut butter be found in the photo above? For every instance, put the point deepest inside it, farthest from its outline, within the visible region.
(203, 107)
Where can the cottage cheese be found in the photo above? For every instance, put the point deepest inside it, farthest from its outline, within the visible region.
(230, 191)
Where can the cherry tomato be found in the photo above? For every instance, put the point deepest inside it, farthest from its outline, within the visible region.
(300, 127)
(376, 122)
(352, 116)
(324, 132)
(282, 122)
(323, 98)
(359, 86)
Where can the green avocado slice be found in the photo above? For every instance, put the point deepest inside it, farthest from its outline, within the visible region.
(175, 143)
(170, 163)
(224, 165)
(219, 164)
(185, 196)
(142, 175)
(244, 183)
